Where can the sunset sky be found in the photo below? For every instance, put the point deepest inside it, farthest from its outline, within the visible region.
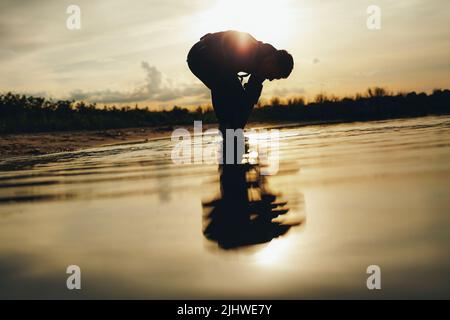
(135, 51)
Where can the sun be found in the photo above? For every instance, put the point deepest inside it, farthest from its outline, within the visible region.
(267, 20)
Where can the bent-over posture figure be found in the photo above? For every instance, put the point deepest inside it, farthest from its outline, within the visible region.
(218, 58)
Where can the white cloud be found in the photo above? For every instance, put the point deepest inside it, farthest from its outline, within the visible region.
(156, 88)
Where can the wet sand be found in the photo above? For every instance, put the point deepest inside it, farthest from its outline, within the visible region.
(53, 142)
(22, 144)
(372, 193)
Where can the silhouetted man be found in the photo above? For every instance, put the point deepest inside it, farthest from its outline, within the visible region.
(218, 58)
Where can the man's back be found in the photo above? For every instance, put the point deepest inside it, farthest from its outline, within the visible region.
(237, 51)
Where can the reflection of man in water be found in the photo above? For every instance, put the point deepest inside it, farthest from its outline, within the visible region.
(218, 58)
(243, 214)
(246, 212)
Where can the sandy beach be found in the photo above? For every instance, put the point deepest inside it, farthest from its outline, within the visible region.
(53, 142)
(23, 144)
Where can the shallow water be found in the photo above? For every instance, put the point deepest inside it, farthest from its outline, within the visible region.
(372, 193)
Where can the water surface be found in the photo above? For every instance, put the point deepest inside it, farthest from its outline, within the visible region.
(372, 193)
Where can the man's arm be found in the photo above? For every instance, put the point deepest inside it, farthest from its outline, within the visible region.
(252, 92)
(253, 89)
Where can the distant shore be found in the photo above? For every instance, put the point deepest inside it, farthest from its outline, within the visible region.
(33, 125)
(23, 144)
(40, 143)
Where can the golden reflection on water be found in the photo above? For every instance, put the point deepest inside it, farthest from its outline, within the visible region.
(276, 252)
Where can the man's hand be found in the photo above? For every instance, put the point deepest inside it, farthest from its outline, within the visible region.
(257, 78)
(253, 89)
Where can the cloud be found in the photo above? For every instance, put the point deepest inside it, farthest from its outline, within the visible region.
(156, 88)
(287, 92)
(153, 78)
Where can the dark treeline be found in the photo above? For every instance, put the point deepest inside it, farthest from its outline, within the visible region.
(20, 113)
(375, 104)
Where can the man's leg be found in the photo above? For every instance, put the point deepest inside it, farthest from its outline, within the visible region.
(229, 103)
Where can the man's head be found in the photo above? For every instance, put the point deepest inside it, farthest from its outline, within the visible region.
(277, 66)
